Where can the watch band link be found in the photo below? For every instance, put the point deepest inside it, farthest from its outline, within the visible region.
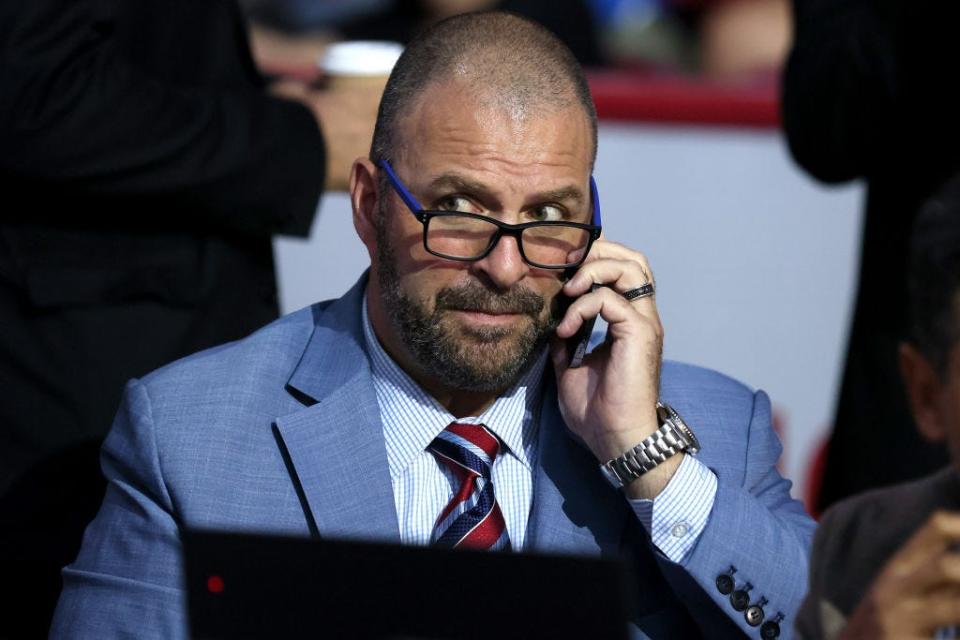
(672, 437)
(652, 451)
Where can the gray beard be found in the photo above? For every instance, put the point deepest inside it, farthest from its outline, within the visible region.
(482, 359)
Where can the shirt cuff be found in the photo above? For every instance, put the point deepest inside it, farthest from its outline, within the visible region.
(676, 518)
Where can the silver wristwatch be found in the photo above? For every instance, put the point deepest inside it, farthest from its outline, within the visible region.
(671, 438)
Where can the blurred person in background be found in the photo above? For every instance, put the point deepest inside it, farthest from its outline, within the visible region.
(721, 40)
(741, 38)
(729, 40)
(725, 40)
(569, 20)
(867, 94)
(293, 33)
(885, 564)
(144, 167)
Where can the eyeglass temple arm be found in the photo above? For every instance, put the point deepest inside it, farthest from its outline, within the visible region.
(595, 197)
(415, 207)
(401, 190)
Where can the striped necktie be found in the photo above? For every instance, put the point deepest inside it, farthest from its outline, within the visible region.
(473, 518)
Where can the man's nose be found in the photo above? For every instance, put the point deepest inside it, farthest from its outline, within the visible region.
(504, 266)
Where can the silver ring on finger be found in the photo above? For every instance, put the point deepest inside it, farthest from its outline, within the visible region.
(640, 292)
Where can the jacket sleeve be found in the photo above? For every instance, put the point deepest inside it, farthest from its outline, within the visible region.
(76, 114)
(755, 527)
(128, 578)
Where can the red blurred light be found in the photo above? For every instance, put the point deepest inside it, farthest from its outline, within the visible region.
(215, 584)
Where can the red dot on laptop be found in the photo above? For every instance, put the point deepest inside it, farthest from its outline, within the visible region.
(215, 584)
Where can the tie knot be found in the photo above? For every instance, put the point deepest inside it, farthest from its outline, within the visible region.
(470, 447)
(473, 517)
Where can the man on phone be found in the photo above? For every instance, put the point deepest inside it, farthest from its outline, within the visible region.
(434, 403)
(885, 563)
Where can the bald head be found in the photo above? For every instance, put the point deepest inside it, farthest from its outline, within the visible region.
(505, 61)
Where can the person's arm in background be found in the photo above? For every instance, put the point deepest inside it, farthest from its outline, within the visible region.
(913, 595)
(819, 618)
(839, 85)
(76, 114)
(868, 83)
(347, 115)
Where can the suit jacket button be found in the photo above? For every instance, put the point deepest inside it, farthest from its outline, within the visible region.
(739, 600)
(754, 615)
(770, 630)
(725, 583)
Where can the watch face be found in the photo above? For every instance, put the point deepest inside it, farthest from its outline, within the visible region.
(688, 434)
(667, 413)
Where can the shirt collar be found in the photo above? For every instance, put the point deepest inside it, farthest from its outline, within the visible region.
(412, 418)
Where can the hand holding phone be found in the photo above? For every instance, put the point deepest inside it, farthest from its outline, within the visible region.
(608, 397)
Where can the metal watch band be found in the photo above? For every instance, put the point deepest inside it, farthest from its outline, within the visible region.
(672, 437)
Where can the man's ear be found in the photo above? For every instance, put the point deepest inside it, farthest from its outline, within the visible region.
(364, 198)
(924, 391)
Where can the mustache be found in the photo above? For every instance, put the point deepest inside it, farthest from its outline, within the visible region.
(475, 297)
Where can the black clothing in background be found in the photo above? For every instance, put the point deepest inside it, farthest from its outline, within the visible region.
(143, 170)
(569, 20)
(868, 94)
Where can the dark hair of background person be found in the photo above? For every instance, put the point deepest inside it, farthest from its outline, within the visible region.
(934, 277)
(526, 62)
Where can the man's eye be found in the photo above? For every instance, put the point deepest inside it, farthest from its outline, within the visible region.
(456, 203)
(547, 213)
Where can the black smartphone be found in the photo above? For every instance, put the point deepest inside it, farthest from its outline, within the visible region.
(577, 343)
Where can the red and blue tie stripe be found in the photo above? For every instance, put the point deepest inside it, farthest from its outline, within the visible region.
(473, 518)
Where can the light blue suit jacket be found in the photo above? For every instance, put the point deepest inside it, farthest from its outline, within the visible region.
(281, 432)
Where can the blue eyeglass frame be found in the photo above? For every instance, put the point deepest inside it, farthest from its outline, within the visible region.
(424, 216)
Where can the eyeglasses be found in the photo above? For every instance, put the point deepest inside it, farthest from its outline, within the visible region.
(458, 235)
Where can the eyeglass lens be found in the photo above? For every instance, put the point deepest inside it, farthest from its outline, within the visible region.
(467, 237)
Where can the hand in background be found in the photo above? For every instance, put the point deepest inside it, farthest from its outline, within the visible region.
(346, 115)
(918, 591)
(277, 52)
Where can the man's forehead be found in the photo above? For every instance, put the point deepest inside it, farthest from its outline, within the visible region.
(504, 102)
(452, 119)
(454, 181)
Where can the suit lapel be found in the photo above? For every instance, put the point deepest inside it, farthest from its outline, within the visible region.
(574, 509)
(335, 443)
